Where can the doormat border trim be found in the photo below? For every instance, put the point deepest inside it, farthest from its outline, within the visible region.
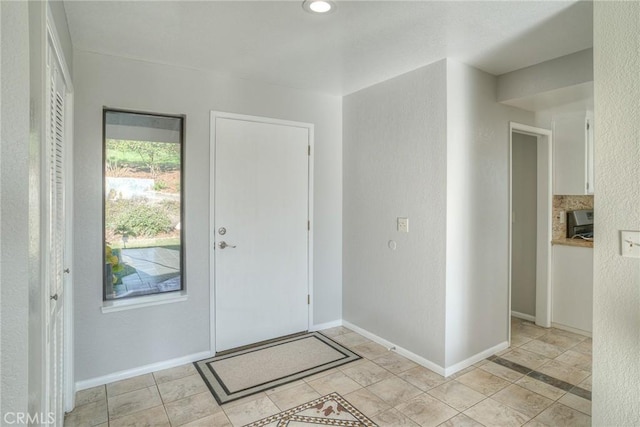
(223, 395)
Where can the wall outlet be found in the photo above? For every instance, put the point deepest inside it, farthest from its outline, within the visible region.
(630, 244)
(403, 225)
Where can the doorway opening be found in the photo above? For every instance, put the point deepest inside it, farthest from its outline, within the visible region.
(530, 224)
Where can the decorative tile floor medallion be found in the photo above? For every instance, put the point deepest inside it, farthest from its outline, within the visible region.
(329, 410)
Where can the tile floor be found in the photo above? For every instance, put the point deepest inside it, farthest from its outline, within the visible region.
(511, 389)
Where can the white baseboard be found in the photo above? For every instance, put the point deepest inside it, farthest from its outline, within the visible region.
(523, 316)
(326, 325)
(570, 329)
(130, 373)
(475, 358)
(391, 346)
(445, 372)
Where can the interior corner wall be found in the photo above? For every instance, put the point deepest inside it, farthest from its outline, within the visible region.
(112, 342)
(394, 155)
(477, 227)
(14, 209)
(616, 337)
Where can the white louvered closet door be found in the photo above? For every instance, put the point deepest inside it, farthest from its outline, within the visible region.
(55, 235)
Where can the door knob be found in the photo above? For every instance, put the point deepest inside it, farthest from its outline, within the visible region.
(224, 244)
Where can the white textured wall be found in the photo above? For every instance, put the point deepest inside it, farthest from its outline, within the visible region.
(616, 334)
(106, 343)
(395, 165)
(523, 253)
(477, 212)
(568, 70)
(14, 207)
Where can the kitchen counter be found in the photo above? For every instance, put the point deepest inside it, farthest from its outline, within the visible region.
(573, 242)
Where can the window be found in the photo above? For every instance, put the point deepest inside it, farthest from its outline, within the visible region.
(143, 204)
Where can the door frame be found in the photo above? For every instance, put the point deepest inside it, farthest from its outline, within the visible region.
(544, 226)
(68, 377)
(212, 229)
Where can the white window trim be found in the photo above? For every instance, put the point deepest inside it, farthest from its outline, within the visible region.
(113, 306)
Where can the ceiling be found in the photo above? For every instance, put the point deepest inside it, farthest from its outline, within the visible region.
(362, 43)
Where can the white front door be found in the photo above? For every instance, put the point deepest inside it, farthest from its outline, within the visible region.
(261, 236)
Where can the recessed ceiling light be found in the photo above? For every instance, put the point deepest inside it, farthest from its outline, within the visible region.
(319, 6)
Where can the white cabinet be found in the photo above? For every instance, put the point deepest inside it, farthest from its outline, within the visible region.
(572, 294)
(573, 153)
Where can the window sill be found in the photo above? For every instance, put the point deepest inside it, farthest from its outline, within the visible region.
(144, 301)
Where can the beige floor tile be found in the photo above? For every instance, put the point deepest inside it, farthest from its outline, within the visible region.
(243, 400)
(568, 334)
(338, 330)
(526, 358)
(192, 408)
(171, 374)
(527, 330)
(133, 401)
(284, 387)
(322, 374)
(366, 402)
(218, 420)
(522, 400)
(564, 372)
(560, 415)
(541, 388)
(483, 382)
(394, 363)
(336, 382)
(370, 350)
(562, 341)
(91, 395)
(393, 418)
(576, 402)
(518, 340)
(181, 388)
(427, 411)
(461, 420)
(294, 396)
(394, 390)
(462, 372)
(423, 378)
(350, 339)
(492, 413)
(501, 371)
(586, 384)
(585, 347)
(251, 411)
(131, 384)
(575, 359)
(367, 373)
(153, 417)
(480, 363)
(91, 414)
(457, 395)
(545, 349)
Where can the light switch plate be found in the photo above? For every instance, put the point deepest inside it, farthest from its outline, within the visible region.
(630, 244)
(403, 225)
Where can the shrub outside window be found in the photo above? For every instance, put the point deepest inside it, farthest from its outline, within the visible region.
(143, 204)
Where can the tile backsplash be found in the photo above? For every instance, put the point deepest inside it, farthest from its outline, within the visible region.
(567, 203)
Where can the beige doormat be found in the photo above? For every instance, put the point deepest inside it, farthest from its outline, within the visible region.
(329, 410)
(249, 371)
